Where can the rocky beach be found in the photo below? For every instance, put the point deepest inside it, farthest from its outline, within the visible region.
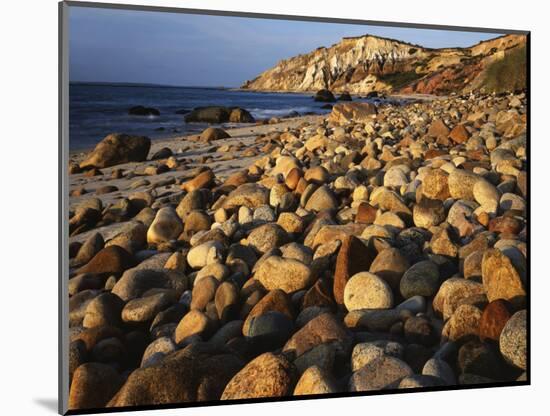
(378, 247)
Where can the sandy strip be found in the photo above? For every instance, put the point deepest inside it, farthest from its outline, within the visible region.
(183, 148)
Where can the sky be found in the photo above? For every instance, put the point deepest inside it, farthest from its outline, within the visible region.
(109, 45)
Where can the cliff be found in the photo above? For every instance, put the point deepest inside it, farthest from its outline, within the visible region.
(369, 63)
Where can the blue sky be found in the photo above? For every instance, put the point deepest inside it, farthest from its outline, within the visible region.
(181, 49)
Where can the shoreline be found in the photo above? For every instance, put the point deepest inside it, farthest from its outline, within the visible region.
(228, 126)
(184, 148)
(236, 129)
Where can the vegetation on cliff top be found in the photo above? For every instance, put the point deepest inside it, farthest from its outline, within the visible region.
(509, 73)
(400, 79)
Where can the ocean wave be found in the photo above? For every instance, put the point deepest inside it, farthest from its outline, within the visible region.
(260, 113)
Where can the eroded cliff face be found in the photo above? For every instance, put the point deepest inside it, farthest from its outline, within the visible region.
(369, 63)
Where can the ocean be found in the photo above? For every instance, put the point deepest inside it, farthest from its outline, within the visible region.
(97, 110)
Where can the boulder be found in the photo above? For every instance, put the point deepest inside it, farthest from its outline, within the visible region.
(344, 113)
(194, 323)
(211, 114)
(267, 237)
(165, 227)
(146, 308)
(463, 324)
(109, 260)
(486, 195)
(135, 282)
(513, 340)
(274, 301)
(314, 380)
(103, 310)
(367, 291)
(366, 352)
(390, 264)
(163, 153)
(271, 328)
(205, 179)
(325, 328)
(437, 367)
(422, 279)
(383, 372)
(438, 128)
(452, 292)
(116, 149)
(140, 110)
(240, 115)
(213, 133)
(186, 376)
(250, 195)
(461, 184)
(94, 384)
(268, 375)
(204, 291)
(435, 185)
(353, 257)
(345, 96)
(501, 280)
(428, 213)
(459, 134)
(324, 96)
(206, 253)
(322, 199)
(89, 249)
(288, 275)
(493, 319)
